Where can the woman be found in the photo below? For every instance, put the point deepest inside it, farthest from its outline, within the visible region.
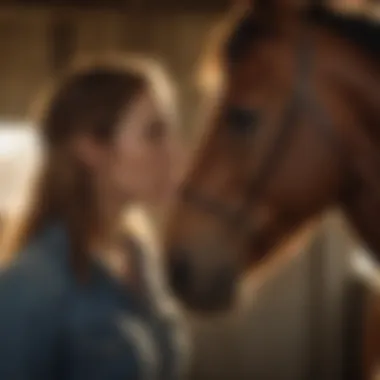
(75, 295)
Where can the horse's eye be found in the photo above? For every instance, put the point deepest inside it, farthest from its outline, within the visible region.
(242, 120)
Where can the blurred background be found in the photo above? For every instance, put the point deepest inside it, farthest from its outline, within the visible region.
(306, 320)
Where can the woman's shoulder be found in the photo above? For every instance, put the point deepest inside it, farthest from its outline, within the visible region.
(33, 304)
(36, 276)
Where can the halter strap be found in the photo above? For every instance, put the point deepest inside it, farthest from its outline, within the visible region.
(302, 97)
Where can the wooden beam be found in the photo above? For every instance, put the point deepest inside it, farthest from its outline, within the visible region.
(126, 5)
(61, 43)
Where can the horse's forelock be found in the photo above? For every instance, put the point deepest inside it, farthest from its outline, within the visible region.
(211, 62)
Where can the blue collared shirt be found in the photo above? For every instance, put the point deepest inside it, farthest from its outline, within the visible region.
(52, 327)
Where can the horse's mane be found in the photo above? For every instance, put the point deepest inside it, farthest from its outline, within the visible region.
(235, 33)
(360, 30)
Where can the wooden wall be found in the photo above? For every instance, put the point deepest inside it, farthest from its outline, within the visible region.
(34, 43)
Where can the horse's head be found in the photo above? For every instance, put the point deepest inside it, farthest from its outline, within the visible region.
(271, 159)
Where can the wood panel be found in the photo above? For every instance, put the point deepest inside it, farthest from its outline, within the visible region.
(24, 58)
(31, 47)
(156, 5)
(372, 338)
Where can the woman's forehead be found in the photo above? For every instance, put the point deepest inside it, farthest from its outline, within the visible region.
(142, 113)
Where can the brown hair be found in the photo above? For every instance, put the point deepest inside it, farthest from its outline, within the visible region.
(88, 99)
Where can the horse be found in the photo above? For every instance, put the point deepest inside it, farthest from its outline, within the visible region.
(295, 132)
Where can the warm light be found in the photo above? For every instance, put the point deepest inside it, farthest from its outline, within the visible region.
(19, 156)
(366, 268)
(16, 139)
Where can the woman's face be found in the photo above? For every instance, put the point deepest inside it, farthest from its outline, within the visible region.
(142, 161)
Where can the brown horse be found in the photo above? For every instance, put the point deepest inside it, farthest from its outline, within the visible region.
(296, 131)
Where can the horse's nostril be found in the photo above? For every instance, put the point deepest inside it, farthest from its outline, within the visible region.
(179, 272)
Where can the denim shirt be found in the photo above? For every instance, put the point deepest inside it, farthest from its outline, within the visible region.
(52, 327)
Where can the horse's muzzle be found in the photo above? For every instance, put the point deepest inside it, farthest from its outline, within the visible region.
(214, 294)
